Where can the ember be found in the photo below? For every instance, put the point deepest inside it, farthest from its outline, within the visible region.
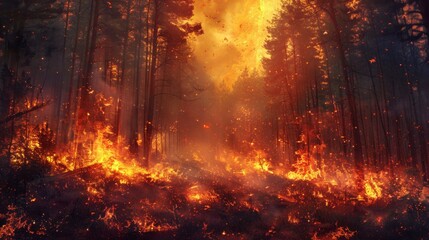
(13, 222)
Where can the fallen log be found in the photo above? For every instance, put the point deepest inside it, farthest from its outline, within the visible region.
(67, 175)
(22, 113)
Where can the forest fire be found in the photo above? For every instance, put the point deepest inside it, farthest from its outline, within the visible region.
(181, 119)
(252, 174)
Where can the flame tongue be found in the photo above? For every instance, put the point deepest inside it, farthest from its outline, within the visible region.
(305, 168)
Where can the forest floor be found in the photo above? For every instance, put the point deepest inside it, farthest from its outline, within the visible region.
(191, 202)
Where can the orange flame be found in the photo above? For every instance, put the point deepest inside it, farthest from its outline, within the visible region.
(305, 168)
(234, 36)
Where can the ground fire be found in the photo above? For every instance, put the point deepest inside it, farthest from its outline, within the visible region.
(182, 119)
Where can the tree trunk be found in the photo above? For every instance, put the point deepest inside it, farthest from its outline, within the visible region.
(123, 70)
(86, 103)
(135, 109)
(60, 88)
(151, 103)
(357, 145)
(69, 114)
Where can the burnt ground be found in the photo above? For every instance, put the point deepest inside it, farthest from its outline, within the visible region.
(197, 204)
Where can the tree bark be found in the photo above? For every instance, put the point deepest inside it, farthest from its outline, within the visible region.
(149, 125)
(123, 71)
(357, 144)
(135, 109)
(69, 114)
(86, 103)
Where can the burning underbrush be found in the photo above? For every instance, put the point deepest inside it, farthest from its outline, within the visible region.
(97, 189)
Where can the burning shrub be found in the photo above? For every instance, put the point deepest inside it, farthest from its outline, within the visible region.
(31, 157)
(11, 222)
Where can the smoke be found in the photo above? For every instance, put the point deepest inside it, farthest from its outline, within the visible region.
(234, 36)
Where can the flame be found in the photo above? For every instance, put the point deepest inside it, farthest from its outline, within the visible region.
(255, 162)
(109, 214)
(305, 168)
(291, 218)
(147, 224)
(199, 194)
(234, 36)
(251, 174)
(372, 189)
(261, 163)
(13, 222)
(114, 160)
(340, 233)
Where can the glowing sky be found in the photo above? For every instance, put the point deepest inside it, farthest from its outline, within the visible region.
(234, 35)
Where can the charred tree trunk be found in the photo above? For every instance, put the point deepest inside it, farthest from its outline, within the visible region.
(123, 71)
(380, 112)
(69, 114)
(147, 68)
(134, 137)
(357, 144)
(63, 63)
(86, 102)
(149, 125)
